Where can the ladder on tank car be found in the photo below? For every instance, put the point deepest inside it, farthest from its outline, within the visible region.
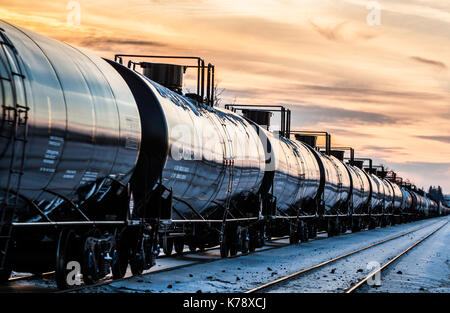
(14, 120)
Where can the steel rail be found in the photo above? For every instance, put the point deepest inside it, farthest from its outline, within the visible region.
(378, 270)
(30, 276)
(164, 256)
(319, 265)
(196, 262)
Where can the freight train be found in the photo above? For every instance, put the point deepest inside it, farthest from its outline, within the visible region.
(102, 164)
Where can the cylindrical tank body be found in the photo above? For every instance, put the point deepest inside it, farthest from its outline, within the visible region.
(377, 205)
(80, 119)
(397, 198)
(434, 208)
(337, 185)
(407, 201)
(361, 190)
(420, 203)
(427, 208)
(423, 205)
(204, 155)
(293, 172)
(388, 196)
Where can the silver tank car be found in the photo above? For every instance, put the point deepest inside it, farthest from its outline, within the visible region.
(337, 185)
(204, 156)
(434, 208)
(419, 203)
(398, 198)
(361, 190)
(377, 205)
(292, 174)
(426, 210)
(388, 196)
(70, 126)
(407, 201)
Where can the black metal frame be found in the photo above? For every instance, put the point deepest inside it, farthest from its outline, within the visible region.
(318, 134)
(285, 126)
(366, 159)
(352, 153)
(210, 68)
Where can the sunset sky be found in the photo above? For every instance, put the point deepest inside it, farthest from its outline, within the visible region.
(383, 89)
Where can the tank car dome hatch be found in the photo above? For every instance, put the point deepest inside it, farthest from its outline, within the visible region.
(260, 117)
(194, 96)
(358, 164)
(338, 154)
(168, 75)
(371, 171)
(309, 140)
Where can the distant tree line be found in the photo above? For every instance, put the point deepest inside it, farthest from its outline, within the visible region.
(436, 194)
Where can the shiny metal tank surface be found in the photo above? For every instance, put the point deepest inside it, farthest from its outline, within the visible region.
(434, 208)
(337, 185)
(398, 197)
(377, 194)
(407, 200)
(211, 155)
(292, 174)
(361, 190)
(82, 124)
(388, 196)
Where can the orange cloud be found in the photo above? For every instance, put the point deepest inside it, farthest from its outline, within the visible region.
(383, 89)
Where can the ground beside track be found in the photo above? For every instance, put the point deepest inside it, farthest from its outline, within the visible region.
(246, 272)
(342, 274)
(426, 268)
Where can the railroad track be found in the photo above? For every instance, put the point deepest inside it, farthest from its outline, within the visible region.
(29, 276)
(191, 257)
(390, 262)
(195, 262)
(272, 284)
(163, 256)
(186, 256)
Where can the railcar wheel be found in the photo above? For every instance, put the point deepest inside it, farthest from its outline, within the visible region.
(343, 227)
(312, 230)
(356, 225)
(91, 257)
(303, 232)
(233, 240)
(233, 248)
(167, 245)
(137, 261)
(244, 240)
(192, 247)
(252, 240)
(121, 256)
(224, 249)
(331, 230)
(67, 252)
(5, 274)
(179, 246)
(137, 266)
(261, 240)
(293, 234)
(372, 224)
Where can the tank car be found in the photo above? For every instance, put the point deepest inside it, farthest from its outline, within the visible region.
(101, 164)
(361, 197)
(408, 202)
(70, 138)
